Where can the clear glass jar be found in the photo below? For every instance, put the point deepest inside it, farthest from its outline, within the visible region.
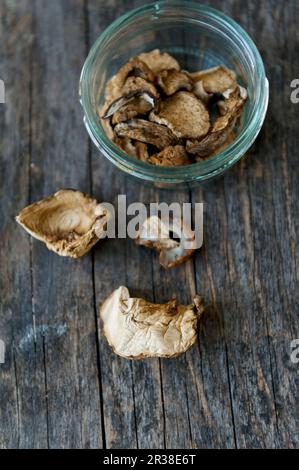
(199, 37)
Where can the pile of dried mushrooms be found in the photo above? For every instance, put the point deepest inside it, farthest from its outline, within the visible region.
(162, 115)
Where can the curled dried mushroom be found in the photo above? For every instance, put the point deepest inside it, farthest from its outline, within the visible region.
(174, 241)
(231, 108)
(145, 131)
(138, 329)
(171, 117)
(69, 222)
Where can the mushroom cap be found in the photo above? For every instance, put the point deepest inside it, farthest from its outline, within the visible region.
(137, 329)
(69, 222)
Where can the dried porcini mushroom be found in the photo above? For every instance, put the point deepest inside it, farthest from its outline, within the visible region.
(69, 222)
(127, 145)
(134, 67)
(216, 80)
(173, 80)
(138, 329)
(158, 61)
(159, 235)
(147, 132)
(137, 85)
(171, 156)
(223, 126)
(138, 106)
(184, 114)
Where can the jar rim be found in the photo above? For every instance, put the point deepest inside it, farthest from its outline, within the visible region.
(196, 171)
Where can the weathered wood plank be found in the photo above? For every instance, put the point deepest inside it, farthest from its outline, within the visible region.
(22, 390)
(63, 288)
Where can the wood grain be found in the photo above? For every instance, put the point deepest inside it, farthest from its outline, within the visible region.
(61, 386)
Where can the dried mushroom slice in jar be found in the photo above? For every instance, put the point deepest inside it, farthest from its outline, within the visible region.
(223, 126)
(184, 114)
(70, 223)
(173, 80)
(135, 90)
(174, 241)
(158, 61)
(136, 107)
(134, 67)
(138, 329)
(147, 132)
(171, 156)
(215, 80)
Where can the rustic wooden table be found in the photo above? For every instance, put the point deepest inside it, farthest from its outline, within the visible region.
(60, 385)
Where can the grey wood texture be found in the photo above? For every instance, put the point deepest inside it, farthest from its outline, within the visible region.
(61, 386)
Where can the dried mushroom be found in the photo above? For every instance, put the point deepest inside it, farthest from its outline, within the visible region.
(166, 116)
(137, 85)
(171, 156)
(223, 126)
(69, 222)
(136, 107)
(216, 80)
(126, 145)
(173, 80)
(158, 235)
(141, 151)
(134, 67)
(137, 329)
(158, 61)
(147, 132)
(184, 114)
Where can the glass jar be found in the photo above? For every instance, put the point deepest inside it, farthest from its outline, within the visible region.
(199, 37)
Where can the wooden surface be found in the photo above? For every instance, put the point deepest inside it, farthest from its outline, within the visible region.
(61, 386)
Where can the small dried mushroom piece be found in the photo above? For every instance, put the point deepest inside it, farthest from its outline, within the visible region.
(147, 132)
(171, 156)
(173, 80)
(69, 222)
(216, 80)
(184, 114)
(158, 61)
(134, 67)
(231, 109)
(135, 107)
(137, 329)
(134, 88)
(156, 234)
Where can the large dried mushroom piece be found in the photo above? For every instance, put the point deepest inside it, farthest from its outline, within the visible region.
(69, 222)
(184, 114)
(174, 241)
(138, 329)
(145, 131)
